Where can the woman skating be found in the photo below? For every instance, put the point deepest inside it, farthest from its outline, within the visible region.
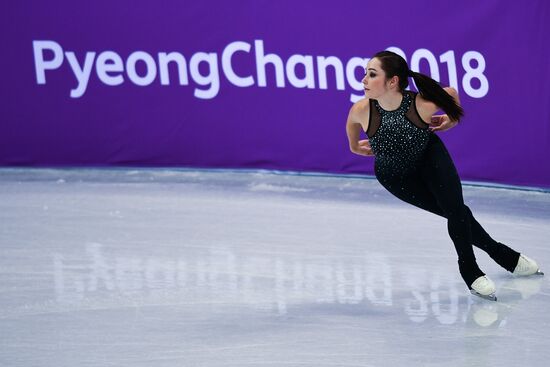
(413, 164)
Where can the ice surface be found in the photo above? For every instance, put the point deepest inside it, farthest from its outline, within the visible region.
(218, 268)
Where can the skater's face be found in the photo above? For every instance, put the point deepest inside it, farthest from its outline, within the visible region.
(374, 82)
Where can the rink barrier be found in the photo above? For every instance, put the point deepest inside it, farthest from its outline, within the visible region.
(480, 184)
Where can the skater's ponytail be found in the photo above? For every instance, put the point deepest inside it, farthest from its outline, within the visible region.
(393, 65)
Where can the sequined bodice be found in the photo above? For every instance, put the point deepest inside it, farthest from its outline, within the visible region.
(398, 143)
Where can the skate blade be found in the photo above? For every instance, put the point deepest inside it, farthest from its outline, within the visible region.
(539, 272)
(490, 297)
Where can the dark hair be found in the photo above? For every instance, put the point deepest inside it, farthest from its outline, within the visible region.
(393, 65)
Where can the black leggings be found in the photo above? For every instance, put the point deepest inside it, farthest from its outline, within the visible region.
(434, 185)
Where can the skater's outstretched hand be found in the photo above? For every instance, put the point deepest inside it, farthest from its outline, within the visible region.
(441, 123)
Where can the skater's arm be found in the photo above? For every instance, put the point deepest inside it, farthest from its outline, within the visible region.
(353, 130)
(442, 122)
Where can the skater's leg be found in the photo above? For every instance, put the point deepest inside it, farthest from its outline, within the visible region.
(414, 190)
(440, 176)
(499, 252)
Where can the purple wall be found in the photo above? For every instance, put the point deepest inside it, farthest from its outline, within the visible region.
(87, 84)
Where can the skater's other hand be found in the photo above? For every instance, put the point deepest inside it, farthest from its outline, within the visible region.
(441, 123)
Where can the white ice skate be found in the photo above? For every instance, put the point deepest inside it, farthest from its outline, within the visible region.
(484, 287)
(527, 266)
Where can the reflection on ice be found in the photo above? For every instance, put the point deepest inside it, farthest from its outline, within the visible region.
(220, 274)
(277, 284)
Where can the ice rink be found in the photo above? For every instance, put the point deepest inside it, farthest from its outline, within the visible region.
(122, 267)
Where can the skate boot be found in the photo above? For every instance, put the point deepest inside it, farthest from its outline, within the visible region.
(484, 287)
(526, 266)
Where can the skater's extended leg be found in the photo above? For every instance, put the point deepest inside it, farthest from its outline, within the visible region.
(499, 252)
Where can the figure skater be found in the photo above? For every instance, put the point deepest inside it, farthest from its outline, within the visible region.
(412, 163)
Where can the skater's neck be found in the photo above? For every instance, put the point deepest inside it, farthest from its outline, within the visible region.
(390, 100)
